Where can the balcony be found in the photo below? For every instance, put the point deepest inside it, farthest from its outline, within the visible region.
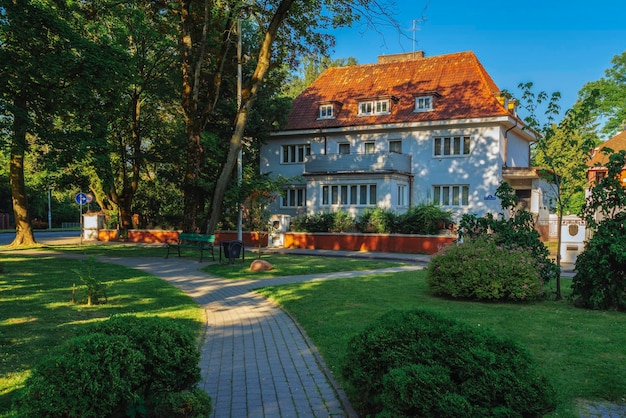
(358, 163)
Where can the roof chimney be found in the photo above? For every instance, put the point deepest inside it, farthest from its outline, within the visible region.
(407, 56)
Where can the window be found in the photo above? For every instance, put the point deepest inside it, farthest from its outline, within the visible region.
(369, 147)
(344, 148)
(451, 146)
(423, 104)
(395, 146)
(295, 197)
(401, 195)
(349, 194)
(374, 107)
(451, 195)
(295, 153)
(326, 111)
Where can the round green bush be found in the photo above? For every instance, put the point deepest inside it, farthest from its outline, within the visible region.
(417, 363)
(89, 376)
(125, 366)
(483, 270)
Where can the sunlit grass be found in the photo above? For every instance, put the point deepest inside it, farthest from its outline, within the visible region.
(37, 314)
(293, 265)
(581, 352)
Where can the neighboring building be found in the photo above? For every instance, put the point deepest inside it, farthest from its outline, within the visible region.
(597, 163)
(407, 130)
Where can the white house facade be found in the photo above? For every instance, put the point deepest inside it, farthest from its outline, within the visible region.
(405, 131)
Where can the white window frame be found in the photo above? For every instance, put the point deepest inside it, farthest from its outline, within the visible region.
(326, 111)
(401, 199)
(374, 107)
(294, 154)
(294, 197)
(452, 146)
(341, 148)
(349, 194)
(393, 143)
(424, 104)
(451, 195)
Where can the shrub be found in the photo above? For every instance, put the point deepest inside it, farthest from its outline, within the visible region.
(320, 222)
(416, 363)
(89, 376)
(193, 403)
(484, 270)
(342, 222)
(377, 221)
(123, 365)
(426, 219)
(600, 280)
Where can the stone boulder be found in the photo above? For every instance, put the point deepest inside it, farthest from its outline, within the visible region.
(260, 265)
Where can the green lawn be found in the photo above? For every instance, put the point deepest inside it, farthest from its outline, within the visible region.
(292, 265)
(583, 353)
(36, 312)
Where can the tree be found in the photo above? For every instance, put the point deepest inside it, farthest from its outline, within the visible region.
(611, 96)
(310, 68)
(207, 42)
(561, 152)
(600, 280)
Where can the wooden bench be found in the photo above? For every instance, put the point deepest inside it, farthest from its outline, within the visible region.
(198, 241)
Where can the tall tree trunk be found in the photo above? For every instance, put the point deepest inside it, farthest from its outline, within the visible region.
(23, 229)
(248, 98)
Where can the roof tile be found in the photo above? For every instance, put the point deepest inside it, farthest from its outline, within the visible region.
(463, 90)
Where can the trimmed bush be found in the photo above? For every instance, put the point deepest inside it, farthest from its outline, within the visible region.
(484, 270)
(416, 363)
(123, 366)
(89, 376)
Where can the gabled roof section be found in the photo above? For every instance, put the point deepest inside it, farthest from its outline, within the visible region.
(599, 158)
(460, 86)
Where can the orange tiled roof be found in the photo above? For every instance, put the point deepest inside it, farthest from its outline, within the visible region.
(617, 143)
(462, 89)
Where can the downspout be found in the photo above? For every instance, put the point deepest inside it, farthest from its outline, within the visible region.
(506, 144)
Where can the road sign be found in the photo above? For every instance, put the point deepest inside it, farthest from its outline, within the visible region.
(81, 198)
(89, 197)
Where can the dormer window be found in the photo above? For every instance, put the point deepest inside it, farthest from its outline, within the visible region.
(374, 107)
(327, 111)
(424, 103)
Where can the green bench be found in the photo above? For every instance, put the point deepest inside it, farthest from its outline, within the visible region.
(200, 242)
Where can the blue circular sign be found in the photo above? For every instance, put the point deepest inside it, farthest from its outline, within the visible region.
(81, 198)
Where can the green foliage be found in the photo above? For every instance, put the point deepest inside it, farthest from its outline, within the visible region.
(483, 270)
(320, 222)
(96, 290)
(517, 231)
(416, 363)
(377, 221)
(610, 106)
(600, 280)
(194, 403)
(426, 219)
(124, 365)
(342, 222)
(89, 376)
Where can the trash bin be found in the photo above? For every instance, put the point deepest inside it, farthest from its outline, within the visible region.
(231, 250)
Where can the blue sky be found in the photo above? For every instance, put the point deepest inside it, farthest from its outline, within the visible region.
(557, 45)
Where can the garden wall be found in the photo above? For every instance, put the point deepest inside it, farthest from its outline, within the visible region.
(391, 243)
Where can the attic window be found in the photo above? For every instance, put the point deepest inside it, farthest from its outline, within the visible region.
(374, 107)
(327, 111)
(424, 103)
